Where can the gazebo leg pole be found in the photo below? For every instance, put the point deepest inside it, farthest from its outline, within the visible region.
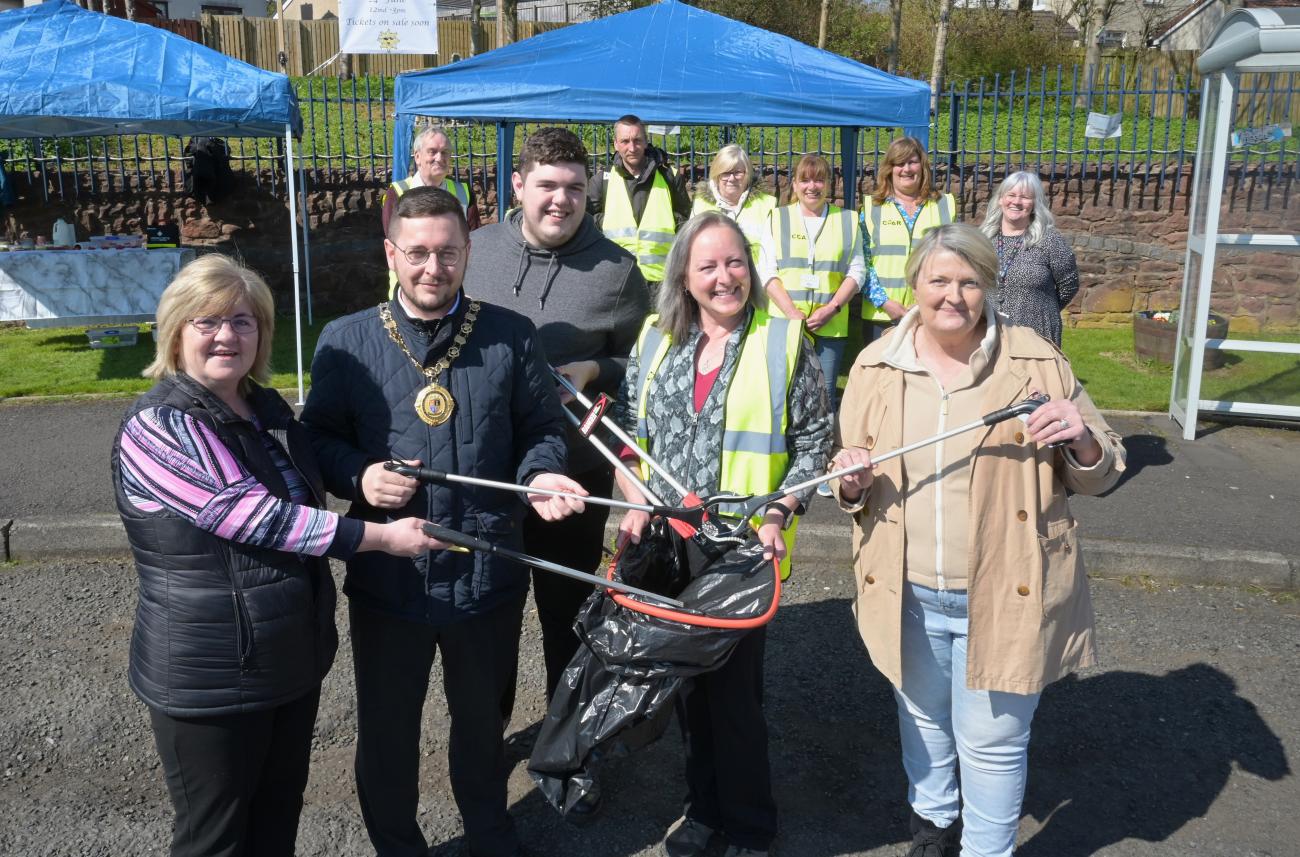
(293, 243)
(306, 243)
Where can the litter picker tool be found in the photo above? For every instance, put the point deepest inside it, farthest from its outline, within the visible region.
(751, 505)
(456, 537)
(693, 516)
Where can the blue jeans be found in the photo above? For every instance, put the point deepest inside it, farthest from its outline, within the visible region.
(830, 353)
(941, 722)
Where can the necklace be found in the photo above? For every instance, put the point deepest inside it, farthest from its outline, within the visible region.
(434, 403)
(1008, 247)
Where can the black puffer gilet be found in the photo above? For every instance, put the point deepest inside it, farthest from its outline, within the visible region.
(222, 627)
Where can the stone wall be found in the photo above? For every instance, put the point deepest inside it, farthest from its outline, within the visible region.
(1129, 238)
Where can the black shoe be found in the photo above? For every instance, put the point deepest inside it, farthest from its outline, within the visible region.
(587, 807)
(930, 840)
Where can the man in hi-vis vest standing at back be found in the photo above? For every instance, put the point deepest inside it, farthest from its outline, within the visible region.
(640, 201)
(432, 153)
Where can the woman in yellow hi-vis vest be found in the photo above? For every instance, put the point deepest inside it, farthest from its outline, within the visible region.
(812, 264)
(731, 190)
(904, 207)
(727, 398)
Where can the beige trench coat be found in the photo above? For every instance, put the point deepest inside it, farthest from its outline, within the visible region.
(1031, 618)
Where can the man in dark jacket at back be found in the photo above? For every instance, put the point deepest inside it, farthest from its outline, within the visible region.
(435, 377)
(640, 201)
(548, 261)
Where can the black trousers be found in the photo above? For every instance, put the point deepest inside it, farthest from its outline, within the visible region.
(236, 780)
(728, 779)
(393, 658)
(575, 542)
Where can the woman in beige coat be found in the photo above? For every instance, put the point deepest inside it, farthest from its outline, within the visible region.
(971, 596)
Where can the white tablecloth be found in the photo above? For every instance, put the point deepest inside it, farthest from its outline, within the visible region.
(57, 288)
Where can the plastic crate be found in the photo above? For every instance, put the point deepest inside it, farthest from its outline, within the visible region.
(112, 337)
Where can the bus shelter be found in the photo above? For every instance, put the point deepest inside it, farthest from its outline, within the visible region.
(1243, 242)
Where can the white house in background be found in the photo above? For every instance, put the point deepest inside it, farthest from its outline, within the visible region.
(1191, 30)
(1131, 24)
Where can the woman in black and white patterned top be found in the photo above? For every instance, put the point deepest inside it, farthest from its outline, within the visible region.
(1037, 273)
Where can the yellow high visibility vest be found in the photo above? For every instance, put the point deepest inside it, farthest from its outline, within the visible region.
(457, 189)
(829, 263)
(892, 242)
(752, 218)
(651, 239)
(754, 453)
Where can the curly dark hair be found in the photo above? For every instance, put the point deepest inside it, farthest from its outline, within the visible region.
(551, 146)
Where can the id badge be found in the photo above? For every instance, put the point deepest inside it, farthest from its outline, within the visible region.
(808, 282)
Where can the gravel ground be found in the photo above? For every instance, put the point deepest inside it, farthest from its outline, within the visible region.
(1184, 745)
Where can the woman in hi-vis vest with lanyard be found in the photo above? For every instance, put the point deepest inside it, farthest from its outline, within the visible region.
(904, 207)
(811, 262)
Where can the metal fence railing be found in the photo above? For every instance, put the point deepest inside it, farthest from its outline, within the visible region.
(982, 130)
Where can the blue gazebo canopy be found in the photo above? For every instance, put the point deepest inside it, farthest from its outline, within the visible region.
(65, 71)
(667, 63)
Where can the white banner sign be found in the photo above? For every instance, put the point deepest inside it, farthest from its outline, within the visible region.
(1104, 126)
(388, 26)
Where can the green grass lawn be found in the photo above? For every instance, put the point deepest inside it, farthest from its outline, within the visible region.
(1104, 361)
(58, 362)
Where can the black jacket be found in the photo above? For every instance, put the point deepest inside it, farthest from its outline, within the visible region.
(222, 627)
(506, 426)
(638, 187)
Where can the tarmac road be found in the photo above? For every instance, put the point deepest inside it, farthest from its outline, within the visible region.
(1221, 508)
(1184, 744)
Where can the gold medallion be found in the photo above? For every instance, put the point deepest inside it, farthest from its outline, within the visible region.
(434, 404)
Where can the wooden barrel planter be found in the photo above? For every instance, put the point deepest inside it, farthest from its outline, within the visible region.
(1155, 339)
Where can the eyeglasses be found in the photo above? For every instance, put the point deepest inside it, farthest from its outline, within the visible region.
(208, 325)
(735, 175)
(448, 257)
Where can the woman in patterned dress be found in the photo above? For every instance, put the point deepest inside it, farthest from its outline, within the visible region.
(1037, 273)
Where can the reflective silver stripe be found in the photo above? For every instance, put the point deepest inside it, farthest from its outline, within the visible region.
(657, 237)
(797, 295)
(773, 441)
(791, 262)
(837, 265)
(945, 210)
(890, 250)
(892, 282)
(651, 259)
(847, 227)
(612, 234)
(649, 348)
(786, 258)
(753, 441)
(876, 215)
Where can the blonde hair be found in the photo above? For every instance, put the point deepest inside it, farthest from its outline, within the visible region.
(211, 285)
(963, 240)
(731, 157)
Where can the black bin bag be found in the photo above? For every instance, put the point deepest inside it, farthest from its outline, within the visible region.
(616, 696)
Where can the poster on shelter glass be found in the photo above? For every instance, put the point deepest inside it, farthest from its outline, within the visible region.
(388, 26)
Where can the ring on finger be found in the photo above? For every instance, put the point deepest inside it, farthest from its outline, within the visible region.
(1065, 424)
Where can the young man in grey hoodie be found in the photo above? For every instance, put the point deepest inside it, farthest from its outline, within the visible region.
(550, 262)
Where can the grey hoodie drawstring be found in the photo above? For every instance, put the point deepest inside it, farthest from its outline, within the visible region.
(523, 268)
(552, 271)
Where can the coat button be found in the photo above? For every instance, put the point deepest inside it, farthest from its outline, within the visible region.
(1020, 437)
(1022, 589)
(1022, 515)
(871, 442)
(870, 579)
(1067, 548)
